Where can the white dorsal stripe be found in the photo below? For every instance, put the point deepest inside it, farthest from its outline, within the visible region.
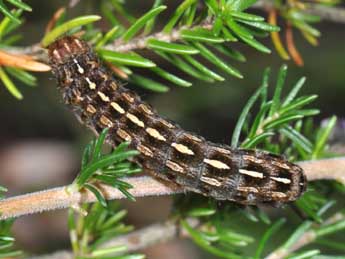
(216, 163)
(117, 107)
(155, 134)
(80, 69)
(135, 120)
(182, 149)
(281, 180)
(251, 173)
(92, 85)
(103, 96)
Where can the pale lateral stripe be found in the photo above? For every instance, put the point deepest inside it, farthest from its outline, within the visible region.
(192, 137)
(91, 109)
(174, 166)
(278, 194)
(210, 181)
(168, 124)
(247, 189)
(145, 109)
(128, 97)
(281, 180)
(92, 85)
(124, 135)
(117, 107)
(105, 121)
(155, 134)
(251, 173)
(182, 149)
(145, 150)
(216, 163)
(135, 120)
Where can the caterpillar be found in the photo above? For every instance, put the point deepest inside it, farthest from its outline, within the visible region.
(166, 150)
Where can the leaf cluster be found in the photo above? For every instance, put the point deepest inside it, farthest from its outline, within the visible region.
(94, 226)
(108, 168)
(17, 4)
(7, 241)
(280, 125)
(7, 26)
(202, 35)
(189, 39)
(296, 13)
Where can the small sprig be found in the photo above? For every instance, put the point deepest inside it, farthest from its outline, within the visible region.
(15, 65)
(95, 226)
(296, 16)
(204, 33)
(7, 248)
(280, 125)
(309, 232)
(109, 168)
(278, 116)
(11, 14)
(61, 29)
(217, 231)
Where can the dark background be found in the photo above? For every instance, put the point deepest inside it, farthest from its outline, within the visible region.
(41, 141)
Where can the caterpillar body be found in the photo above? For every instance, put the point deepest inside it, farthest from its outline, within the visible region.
(166, 150)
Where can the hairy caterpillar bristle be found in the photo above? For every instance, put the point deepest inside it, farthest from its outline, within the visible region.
(166, 150)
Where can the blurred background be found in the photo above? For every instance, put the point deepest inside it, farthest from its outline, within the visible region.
(41, 141)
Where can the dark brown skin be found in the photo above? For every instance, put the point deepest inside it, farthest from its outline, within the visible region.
(167, 151)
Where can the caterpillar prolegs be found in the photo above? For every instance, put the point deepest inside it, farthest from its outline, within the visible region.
(166, 150)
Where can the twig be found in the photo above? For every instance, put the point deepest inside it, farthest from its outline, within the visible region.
(329, 14)
(305, 239)
(163, 232)
(332, 14)
(66, 196)
(118, 45)
(63, 254)
(140, 42)
(137, 240)
(73, 3)
(63, 197)
(325, 169)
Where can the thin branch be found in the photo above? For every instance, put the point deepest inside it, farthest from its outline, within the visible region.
(136, 240)
(118, 45)
(325, 169)
(305, 239)
(63, 254)
(140, 42)
(331, 14)
(163, 232)
(67, 196)
(63, 197)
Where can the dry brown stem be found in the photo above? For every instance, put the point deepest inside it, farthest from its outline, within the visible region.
(63, 197)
